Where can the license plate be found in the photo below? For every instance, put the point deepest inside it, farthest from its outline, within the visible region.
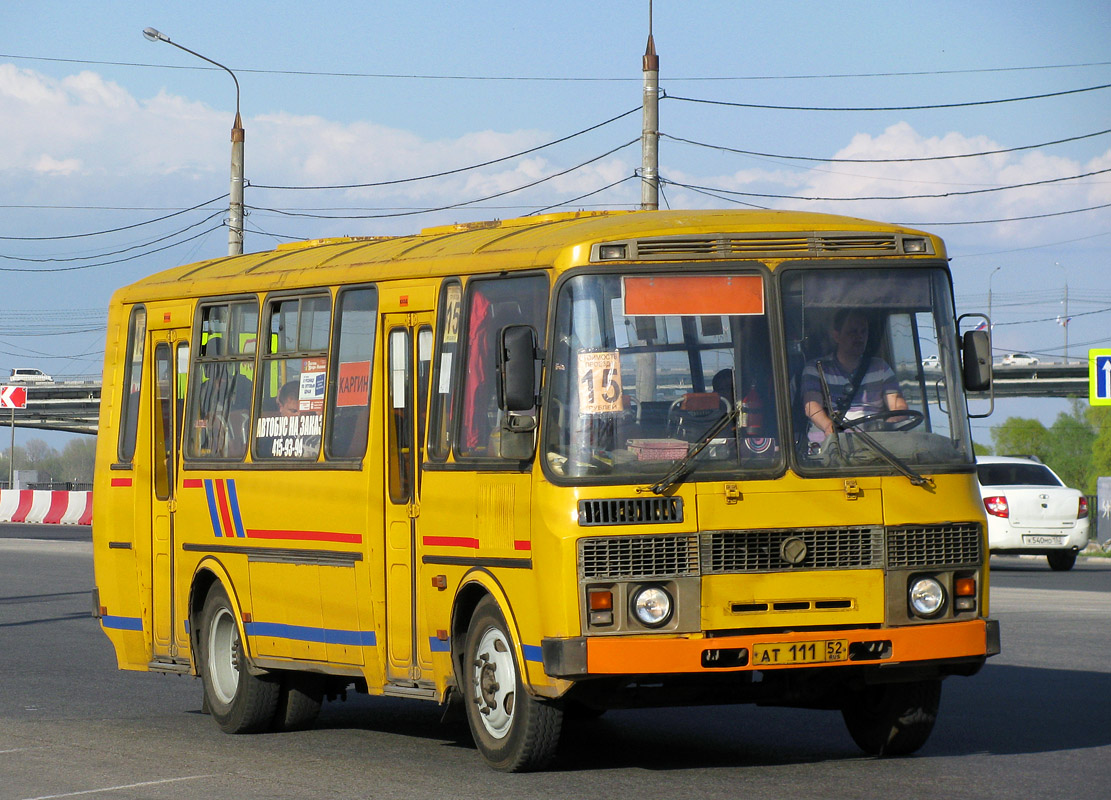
(800, 652)
(1043, 539)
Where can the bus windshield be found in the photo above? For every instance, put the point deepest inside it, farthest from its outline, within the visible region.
(873, 362)
(643, 366)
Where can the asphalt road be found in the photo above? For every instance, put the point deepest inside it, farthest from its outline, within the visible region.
(1033, 723)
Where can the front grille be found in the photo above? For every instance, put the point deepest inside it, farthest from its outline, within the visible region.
(763, 550)
(759, 245)
(638, 556)
(630, 511)
(934, 546)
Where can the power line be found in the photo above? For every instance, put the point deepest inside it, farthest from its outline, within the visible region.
(116, 261)
(882, 160)
(459, 169)
(108, 230)
(559, 79)
(453, 205)
(887, 108)
(893, 197)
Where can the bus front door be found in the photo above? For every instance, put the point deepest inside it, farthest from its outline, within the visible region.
(408, 361)
(170, 366)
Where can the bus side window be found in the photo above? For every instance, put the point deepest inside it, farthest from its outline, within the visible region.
(132, 384)
(222, 383)
(445, 371)
(491, 305)
(353, 355)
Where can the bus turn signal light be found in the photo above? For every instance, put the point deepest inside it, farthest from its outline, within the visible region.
(965, 587)
(601, 600)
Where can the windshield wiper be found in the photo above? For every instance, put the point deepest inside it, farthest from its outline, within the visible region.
(683, 466)
(838, 425)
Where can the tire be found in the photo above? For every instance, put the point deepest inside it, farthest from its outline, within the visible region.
(239, 701)
(1061, 560)
(513, 731)
(893, 719)
(298, 702)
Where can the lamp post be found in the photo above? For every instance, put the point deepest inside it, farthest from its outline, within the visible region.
(235, 202)
(1065, 319)
(989, 290)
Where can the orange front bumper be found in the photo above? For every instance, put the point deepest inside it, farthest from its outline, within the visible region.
(666, 655)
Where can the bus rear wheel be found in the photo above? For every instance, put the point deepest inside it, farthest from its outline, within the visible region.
(514, 731)
(239, 701)
(299, 702)
(893, 719)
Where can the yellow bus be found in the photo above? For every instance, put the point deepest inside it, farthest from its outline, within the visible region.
(549, 466)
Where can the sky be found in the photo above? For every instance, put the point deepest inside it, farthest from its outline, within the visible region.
(115, 151)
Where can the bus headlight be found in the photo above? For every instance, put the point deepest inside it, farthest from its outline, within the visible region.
(652, 606)
(926, 597)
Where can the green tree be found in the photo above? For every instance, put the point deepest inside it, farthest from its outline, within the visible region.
(1099, 417)
(1069, 449)
(1019, 436)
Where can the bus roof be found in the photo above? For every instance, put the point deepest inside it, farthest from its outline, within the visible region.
(560, 240)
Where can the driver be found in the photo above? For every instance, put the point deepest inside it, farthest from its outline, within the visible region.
(876, 389)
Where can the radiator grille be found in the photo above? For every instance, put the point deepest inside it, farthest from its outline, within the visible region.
(762, 550)
(748, 246)
(638, 556)
(631, 511)
(934, 546)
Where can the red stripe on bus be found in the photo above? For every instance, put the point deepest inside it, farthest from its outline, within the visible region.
(59, 504)
(451, 541)
(124, 482)
(311, 536)
(192, 483)
(225, 514)
(522, 544)
(26, 498)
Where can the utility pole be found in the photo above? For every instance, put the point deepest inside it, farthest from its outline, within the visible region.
(235, 201)
(650, 133)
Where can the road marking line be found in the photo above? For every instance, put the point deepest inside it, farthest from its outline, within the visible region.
(124, 786)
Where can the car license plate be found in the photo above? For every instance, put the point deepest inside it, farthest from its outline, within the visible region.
(1043, 539)
(800, 652)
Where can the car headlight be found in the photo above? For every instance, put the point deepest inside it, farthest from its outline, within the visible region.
(652, 606)
(927, 597)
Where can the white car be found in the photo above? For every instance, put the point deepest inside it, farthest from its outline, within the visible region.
(24, 375)
(1019, 360)
(931, 362)
(1031, 511)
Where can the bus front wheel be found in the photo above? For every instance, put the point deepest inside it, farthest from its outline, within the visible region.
(239, 701)
(514, 731)
(893, 719)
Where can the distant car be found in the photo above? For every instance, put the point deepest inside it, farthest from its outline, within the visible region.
(1031, 511)
(23, 375)
(931, 362)
(1019, 360)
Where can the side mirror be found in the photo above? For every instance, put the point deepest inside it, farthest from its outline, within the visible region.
(976, 361)
(517, 354)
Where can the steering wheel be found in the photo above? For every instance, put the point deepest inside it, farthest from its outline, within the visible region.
(915, 420)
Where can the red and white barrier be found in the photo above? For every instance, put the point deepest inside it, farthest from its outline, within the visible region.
(38, 505)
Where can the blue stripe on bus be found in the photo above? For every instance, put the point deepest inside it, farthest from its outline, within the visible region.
(438, 646)
(532, 653)
(304, 633)
(233, 501)
(212, 512)
(122, 623)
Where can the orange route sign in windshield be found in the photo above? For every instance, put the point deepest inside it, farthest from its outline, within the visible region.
(660, 295)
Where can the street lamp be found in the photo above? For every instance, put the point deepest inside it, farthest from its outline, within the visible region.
(235, 203)
(1065, 319)
(989, 290)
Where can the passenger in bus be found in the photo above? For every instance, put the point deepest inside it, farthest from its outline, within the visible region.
(859, 383)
